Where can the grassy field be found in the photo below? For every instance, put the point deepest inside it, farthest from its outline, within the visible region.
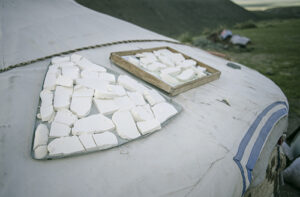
(274, 52)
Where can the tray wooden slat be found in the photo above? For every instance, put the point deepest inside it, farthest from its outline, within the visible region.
(116, 57)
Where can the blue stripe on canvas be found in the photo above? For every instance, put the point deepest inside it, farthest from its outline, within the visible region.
(261, 139)
(243, 176)
(246, 139)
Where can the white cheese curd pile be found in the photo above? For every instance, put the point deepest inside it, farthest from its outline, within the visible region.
(84, 108)
(169, 67)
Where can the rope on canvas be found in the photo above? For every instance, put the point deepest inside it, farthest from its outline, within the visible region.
(86, 48)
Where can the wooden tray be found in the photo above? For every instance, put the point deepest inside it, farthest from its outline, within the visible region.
(116, 57)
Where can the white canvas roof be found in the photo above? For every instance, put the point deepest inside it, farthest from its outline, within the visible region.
(210, 149)
(49, 27)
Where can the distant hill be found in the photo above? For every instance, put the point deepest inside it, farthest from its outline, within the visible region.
(173, 17)
(279, 13)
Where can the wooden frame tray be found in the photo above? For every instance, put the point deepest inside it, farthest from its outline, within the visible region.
(116, 57)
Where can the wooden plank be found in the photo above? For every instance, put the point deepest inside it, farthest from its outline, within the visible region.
(116, 57)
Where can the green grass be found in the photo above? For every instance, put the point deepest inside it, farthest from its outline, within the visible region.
(274, 52)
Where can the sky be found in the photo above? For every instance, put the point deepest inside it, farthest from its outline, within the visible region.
(265, 4)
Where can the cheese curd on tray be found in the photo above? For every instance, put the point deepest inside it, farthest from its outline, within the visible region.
(170, 67)
(85, 107)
